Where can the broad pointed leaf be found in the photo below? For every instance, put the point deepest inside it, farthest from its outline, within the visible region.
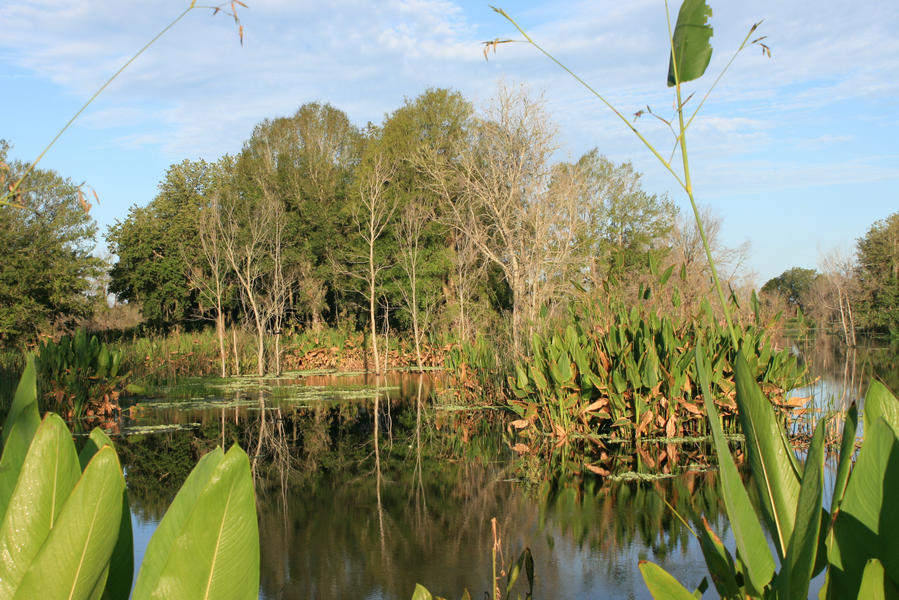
(801, 553)
(24, 401)
(847, 450)
(421, 593)
(752, 547)
(662, 585)
(121, 571)
(47, 477)
(879, 402)
(719, 562)
(690, 42)
(77, 551)
(867, 524)
(215, 555)
(173, 523)
(770, 456)
(18, 431)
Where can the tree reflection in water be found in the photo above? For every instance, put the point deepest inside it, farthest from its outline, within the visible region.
(345, 513)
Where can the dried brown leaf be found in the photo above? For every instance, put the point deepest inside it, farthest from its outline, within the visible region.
(598, 470)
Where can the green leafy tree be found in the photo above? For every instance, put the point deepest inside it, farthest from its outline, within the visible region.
(150, 243)
(623, 222)
(46, 264)
(878, 274)
(306, 161)
(793, 285)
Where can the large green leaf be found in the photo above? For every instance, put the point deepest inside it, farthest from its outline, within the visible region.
(662, 585)
(172, 523)
(771, 457)
(690, 42)
(47, 477)
(77, 551)
(802, 551)
(867, 524)
(421, 593)
(18, 431)
(752, 547)
(847, 450)
(879, 402)
(121, 571)
(875, 586)
(24, 401)
(719, 562)
(215, 553)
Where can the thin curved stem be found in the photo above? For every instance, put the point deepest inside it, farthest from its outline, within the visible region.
(5, 199)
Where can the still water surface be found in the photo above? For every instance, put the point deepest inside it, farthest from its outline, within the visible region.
(341, 516)
(340, 519)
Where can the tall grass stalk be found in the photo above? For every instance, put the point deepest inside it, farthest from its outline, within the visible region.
(8, 197)
(685, 182)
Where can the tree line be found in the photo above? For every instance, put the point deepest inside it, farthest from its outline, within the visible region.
(441, 220)
(857, 292)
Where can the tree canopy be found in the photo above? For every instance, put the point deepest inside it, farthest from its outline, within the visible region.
(878, 276)
(46, 266)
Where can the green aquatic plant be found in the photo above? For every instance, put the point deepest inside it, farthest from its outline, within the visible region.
(855, 541)
(631, 370)
(78, 373)
(65, 523)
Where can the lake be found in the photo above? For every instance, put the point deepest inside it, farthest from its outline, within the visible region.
(366, 488)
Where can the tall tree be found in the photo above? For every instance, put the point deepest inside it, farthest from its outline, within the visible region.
(46, 264)
(148, 243)
(208, 269)
(622, 221)
(878, 276)
(793, 285)
(520, 211)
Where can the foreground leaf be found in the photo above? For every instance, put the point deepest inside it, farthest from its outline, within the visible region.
(18, 431)
(662, 585)
(48, 474)
(771, 457)
(880, 402)
(76, 553)
(752, 547)
(121, 564)
(719, 562)
(215, 552)
(173, 522)
(867, 525)
(802, 551)
(24, 401)
(847, 451)
(690, 42)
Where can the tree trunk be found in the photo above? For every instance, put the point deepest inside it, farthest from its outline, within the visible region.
(220, 331)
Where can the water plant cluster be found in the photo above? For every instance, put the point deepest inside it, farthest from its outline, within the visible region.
(80, 376)
(631, 372)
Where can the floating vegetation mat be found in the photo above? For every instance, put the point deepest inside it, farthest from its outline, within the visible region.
(635, 476)
(146, 429)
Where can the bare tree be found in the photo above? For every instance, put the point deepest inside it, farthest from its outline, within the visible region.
(245, 230)
(413, 220)
(838, 270)
(208, 269)
(519, 211)
(370, 219)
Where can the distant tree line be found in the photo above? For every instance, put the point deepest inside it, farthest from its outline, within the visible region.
(854, 293)
(441, 220)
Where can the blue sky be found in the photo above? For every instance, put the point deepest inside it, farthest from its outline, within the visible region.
(798, 154)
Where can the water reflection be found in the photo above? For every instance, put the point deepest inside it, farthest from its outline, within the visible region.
(362, 494)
